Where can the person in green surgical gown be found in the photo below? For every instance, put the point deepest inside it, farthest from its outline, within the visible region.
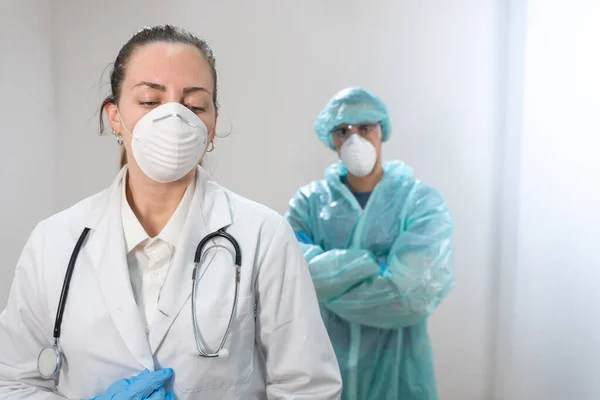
(378, 243)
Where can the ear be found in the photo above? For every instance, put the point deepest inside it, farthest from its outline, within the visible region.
(112, 115)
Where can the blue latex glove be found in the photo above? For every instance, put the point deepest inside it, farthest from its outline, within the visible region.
(304, 238)
(146, 385)
(383, 266)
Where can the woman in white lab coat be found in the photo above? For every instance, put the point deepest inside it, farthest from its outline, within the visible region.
(127, 331)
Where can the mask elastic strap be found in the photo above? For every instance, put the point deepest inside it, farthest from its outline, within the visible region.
(123, 123)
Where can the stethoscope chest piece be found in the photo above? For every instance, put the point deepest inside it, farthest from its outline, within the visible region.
(50, 361)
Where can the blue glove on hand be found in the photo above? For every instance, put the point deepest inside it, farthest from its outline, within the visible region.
(146, 385)
(303, 238)
(383, 266)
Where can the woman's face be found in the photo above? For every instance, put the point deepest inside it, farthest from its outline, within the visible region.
(161, 73)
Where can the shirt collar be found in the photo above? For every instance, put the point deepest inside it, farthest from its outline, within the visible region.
(172, 231)
(134, 232)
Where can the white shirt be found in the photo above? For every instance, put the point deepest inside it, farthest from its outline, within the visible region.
(149, 259)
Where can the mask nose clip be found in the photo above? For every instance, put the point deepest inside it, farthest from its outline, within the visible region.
(176, 115)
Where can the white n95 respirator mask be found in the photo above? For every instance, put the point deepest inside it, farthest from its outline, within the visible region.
(358, 155)
(168, 142)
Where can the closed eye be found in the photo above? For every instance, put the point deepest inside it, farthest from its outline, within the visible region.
(196, 110)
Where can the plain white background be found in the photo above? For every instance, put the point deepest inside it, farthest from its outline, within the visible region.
(28, 140)
(550, 302)
(509, 147)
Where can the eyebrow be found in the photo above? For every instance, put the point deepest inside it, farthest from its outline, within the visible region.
(162, 88)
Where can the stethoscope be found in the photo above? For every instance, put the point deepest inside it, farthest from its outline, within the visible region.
(50, 359)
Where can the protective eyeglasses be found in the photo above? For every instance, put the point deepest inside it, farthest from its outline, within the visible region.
(342, 132)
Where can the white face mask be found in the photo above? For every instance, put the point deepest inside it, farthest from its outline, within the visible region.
(358, 155)
(168, 142)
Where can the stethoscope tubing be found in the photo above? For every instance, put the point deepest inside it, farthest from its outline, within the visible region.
(197, 256)
(196, 279)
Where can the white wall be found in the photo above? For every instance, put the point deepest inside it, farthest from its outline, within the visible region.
(553, 327)
(27, 163)
(435, 63)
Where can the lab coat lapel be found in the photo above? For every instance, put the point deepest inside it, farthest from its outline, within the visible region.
(210, 210)
(106, 247)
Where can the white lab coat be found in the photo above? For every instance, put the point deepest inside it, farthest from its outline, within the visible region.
(283, 352)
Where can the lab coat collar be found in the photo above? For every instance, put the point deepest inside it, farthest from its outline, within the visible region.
(210, 210)
(106, 247)
(133, 231)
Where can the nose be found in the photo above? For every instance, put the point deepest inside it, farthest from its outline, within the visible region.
(174, 95)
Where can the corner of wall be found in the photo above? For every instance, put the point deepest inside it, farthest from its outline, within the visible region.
(509, 140)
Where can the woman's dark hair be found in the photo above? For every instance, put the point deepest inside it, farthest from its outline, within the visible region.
(150, 35)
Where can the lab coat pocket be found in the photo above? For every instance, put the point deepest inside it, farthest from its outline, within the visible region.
(202, 373)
